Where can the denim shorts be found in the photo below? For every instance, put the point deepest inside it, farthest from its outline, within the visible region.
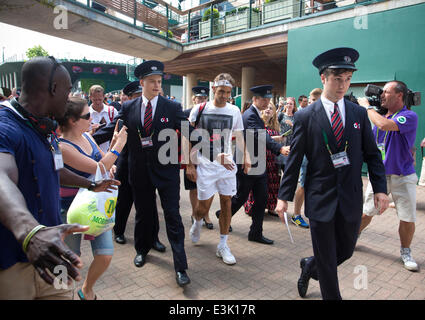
(102, 245)
(303, 171)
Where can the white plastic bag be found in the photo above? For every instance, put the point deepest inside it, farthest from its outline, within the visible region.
(94, 209)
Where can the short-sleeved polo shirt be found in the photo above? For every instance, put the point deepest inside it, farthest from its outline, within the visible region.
(399, 144)
(38, 180)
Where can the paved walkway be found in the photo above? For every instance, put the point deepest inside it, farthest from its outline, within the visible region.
(264, 272)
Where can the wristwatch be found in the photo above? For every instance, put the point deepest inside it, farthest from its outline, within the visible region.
(370, 107)
(92, 186)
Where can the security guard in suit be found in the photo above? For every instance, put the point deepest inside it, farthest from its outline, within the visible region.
(125, 198)
(256, 179)
(336, 137)
(146, 117)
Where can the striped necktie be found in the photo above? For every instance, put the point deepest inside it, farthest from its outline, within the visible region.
(148, 119)
(337, 126)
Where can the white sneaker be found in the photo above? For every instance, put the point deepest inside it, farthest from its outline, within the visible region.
(195, 232)
(409, 262)
(226, 255)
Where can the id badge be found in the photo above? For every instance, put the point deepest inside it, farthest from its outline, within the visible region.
(57, 156)
(340, 159)
(146, 142)
(381, 148)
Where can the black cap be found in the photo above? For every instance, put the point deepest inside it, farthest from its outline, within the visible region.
(201, 91)
(149, 68)
(338, 58)
(132, 88)
(262, 91)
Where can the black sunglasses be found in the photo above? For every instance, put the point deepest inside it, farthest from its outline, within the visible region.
(85, 116)
(56, 64)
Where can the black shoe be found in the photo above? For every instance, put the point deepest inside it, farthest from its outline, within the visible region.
(120, 239)
(182, 278)
(140, 260)
(217, 214)
(158, 246)
(208, 225)
(261, 239)
(304, 277)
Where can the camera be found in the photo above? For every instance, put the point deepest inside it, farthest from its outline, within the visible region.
(373, 94)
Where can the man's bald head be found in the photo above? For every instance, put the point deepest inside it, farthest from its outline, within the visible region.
(46, 83)
(36, 73)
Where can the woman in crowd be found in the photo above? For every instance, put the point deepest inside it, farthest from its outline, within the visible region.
(286, 120)
(269, 117)
(81, 155)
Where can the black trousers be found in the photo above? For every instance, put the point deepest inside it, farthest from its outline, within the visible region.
(125, 201)
(333, 243)
(147, 217)
(258, 185)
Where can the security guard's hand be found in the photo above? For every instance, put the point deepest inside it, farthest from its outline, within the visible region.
(106, 185)
(281, 208)
(46, 250)
(246, 166)
(285, 150)
(381, 202)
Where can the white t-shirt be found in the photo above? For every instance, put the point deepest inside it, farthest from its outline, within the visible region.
(106, 113)
(220, 123)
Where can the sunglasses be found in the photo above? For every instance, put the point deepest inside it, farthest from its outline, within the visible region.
(85, 116)
(56, 64)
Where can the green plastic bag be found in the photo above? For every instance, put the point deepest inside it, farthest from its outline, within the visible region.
(94, 209)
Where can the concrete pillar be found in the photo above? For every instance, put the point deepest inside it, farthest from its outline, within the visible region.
(211, 91)
(184, 93)
(191, 82)
(248, 76)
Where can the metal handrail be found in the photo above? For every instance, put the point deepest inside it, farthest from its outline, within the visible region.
(157, 15)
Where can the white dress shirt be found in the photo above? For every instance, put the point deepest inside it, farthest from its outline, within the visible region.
(258, 111)
(97, 117)
(329, 109)
(145, 101)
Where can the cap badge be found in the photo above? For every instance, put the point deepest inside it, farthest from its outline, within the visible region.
(154, 68)
(347, 59)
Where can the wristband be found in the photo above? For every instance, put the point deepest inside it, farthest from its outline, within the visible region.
(115, 152)
(30, 235)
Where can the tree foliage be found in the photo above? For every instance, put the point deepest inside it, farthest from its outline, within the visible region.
(36, 51)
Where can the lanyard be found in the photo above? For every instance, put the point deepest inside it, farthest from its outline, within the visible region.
(386, 132)
(325, 137)
(140, 134)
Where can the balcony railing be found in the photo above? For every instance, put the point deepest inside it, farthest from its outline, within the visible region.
(215, 18)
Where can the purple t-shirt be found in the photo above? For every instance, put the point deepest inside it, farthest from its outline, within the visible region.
(399, 144)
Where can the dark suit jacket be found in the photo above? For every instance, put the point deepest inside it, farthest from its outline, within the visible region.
(325, 186)
(168, 115)
(252, 122)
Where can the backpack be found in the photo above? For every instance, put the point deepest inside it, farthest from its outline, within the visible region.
(198, 117)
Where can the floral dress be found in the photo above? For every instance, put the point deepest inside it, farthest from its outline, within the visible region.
(273, 180)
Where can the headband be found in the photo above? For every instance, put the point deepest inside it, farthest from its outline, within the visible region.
(220, 83)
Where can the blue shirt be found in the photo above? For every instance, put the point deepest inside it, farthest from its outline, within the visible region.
(399, 144)
(38, 179)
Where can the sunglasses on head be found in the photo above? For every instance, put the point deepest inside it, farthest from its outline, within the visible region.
(56, 64)
(85, 116)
